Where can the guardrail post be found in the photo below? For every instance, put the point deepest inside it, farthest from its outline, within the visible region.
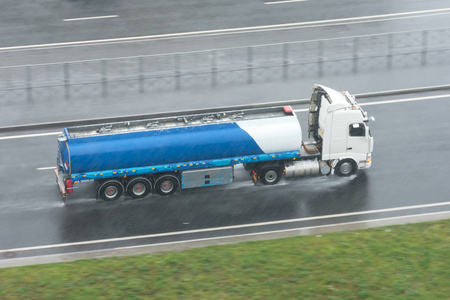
(285, 60)
(424, 46)
(249, 65)
(104, 77)
(177, 72)
(390, 49)
(320, 61)
(141, 74)
(66, 67)
(355, 54)
(214, 68)
(29, 83)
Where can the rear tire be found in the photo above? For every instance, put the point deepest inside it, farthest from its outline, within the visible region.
(270, 175)
(139, 187)
(110, 190)
(167, 185)
(345, 167)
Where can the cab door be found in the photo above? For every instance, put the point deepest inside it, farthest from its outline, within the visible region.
(358, 141)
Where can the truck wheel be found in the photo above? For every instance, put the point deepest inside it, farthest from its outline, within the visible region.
(110, 190)
(270, 175)
(139, 187)
(345, 167)
(167, 185)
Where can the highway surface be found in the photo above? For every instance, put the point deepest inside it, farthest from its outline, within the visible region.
(409, 172)
(52, 31)
(407, 177)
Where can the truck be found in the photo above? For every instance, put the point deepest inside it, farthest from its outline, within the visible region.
(165, 155)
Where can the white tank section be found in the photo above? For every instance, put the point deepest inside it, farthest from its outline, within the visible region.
(275, 134)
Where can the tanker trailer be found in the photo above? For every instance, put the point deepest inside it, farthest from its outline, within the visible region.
(164, 155)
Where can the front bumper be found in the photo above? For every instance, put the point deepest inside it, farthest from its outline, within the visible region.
(364, 164)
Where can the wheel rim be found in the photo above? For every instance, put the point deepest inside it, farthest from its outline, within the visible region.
(346, 168)
(139, 189)
(111, 192)
(271, 176)
(166, 186)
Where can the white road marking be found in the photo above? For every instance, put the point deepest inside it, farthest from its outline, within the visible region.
(287, 1)
(46, 168)
(365, 222)
(297, 110)
(392, 101)
(90, 18)
(405, 100)
(229, 30)
(127, 238)
(28, 135)
(180, 245)
(195, 34)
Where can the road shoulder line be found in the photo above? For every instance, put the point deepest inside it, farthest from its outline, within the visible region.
(183, 245)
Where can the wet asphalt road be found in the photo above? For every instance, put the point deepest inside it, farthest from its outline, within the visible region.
(42, 22)
(53, 21)
(410, 137)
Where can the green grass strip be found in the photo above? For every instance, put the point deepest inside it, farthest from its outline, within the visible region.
(395, 262)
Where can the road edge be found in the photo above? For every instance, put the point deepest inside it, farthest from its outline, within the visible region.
(183, 245)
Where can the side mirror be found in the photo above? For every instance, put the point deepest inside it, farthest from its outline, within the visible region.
(372, 119)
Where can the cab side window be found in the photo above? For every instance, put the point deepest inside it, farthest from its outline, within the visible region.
(357, 129)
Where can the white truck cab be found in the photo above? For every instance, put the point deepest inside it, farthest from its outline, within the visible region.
(339, 125)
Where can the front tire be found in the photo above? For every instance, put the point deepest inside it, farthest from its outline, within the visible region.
(345, 167)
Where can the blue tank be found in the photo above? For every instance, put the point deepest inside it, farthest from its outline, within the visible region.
(124, 145)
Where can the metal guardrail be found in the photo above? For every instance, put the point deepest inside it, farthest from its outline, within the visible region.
(224, 66)
(60, 125)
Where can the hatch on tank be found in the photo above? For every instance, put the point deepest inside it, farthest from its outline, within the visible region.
(177, 121)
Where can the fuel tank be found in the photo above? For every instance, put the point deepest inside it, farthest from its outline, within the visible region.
(179, 139)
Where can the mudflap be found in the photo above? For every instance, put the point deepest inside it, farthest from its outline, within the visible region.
(61, 185)
(255, 177)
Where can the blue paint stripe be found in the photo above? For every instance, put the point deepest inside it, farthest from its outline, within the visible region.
(168, 146)
(185, 166)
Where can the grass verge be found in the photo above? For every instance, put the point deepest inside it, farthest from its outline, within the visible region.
(395, 262)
